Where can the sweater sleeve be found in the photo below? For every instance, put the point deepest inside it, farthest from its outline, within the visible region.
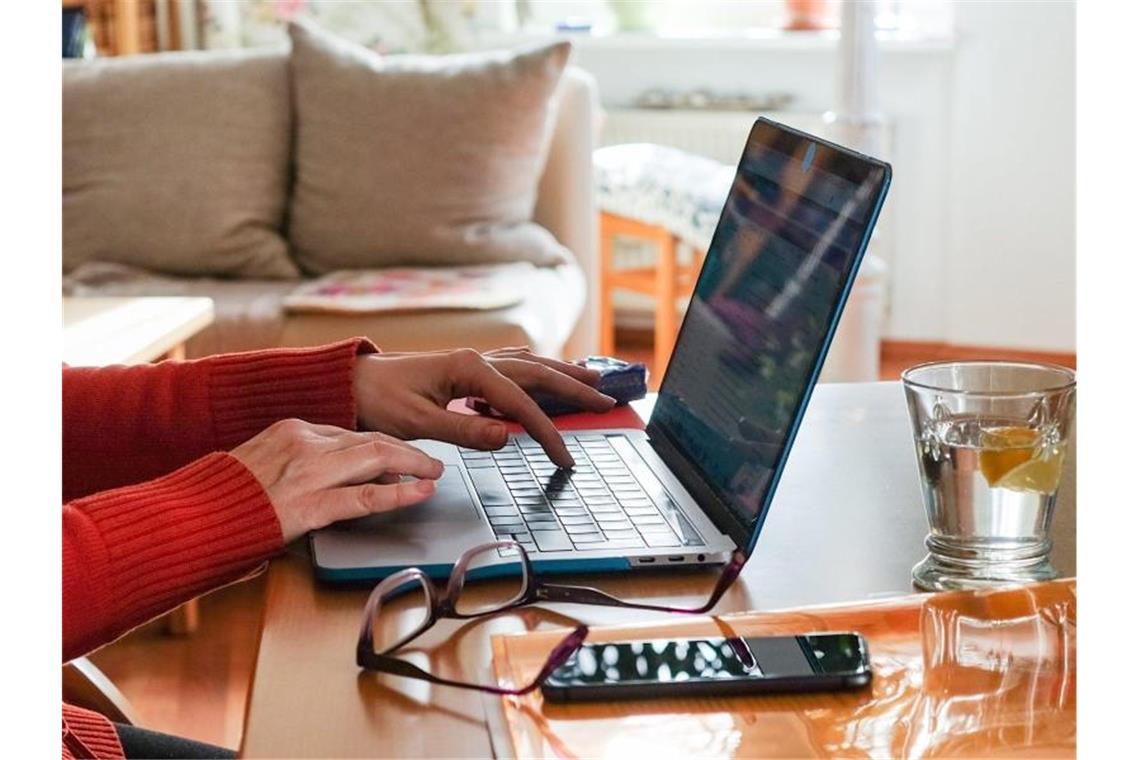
(132, 553)
(126, 424)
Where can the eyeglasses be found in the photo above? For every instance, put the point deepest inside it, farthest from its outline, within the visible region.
(482, 561)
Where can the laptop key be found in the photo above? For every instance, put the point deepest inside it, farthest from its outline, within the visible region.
(582, 519)
(501, 511)
(649, 521)
(552, 540)
(586, 528)
(586, 539)
(661, 539)
(539, 508)
(507, 523)
(490, 487)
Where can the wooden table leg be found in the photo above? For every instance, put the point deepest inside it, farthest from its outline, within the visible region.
(184, 620)
(665, 319)
(606, 336)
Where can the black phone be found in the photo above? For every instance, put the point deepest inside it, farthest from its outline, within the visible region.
(711, 667)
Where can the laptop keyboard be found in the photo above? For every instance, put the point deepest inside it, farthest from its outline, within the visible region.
(598, 505)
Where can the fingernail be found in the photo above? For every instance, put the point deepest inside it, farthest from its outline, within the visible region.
(496, 434)
(425, 486)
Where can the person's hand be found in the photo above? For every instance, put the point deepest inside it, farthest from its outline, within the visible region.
(318, 474)
(406, 395)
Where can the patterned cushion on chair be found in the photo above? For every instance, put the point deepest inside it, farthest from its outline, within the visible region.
(663, 186)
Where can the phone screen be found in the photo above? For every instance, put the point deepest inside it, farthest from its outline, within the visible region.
(663, 661)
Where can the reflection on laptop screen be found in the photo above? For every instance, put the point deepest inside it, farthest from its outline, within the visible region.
(791, 232)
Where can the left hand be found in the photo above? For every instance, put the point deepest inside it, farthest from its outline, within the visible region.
(406, 395)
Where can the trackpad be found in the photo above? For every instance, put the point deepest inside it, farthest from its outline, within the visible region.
(451, 502)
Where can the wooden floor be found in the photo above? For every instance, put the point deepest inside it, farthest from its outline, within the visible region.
(196, 686)
(193, 686)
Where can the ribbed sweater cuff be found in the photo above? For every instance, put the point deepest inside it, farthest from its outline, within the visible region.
(249, 392)
(177, 536)
(94, 730)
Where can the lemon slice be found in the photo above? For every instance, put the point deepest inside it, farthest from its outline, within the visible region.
(1041, 475)
(1004, 449)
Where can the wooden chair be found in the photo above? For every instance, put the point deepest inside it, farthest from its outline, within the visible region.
(666, 282)
(84, 685)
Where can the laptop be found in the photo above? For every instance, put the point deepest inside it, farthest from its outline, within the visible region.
(697, 483)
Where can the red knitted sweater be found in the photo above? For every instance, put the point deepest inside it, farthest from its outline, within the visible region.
(155, 512)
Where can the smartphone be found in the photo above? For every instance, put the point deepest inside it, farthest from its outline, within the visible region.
(711, 667)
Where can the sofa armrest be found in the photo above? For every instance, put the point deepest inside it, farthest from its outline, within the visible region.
(565, 204)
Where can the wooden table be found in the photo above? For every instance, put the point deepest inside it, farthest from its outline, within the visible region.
(847, 524)
(101, 331)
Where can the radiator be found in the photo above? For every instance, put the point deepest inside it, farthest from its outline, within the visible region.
(719, 135)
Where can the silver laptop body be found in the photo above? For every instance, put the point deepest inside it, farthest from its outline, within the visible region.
(698, 482)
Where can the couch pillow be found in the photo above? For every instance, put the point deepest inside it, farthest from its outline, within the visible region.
(419, 160)
(178, 163)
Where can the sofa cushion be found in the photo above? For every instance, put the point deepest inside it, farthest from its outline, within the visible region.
(178, 163)
(419, 160)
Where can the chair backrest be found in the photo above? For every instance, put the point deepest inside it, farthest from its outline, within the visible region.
(84, 685)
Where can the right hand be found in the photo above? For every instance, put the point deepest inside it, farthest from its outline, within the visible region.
(407, 395)
(318, 474)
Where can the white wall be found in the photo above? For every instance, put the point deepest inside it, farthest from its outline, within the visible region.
(1012, 263)
(979, 225)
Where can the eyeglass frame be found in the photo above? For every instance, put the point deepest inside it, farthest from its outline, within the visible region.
(534, 590)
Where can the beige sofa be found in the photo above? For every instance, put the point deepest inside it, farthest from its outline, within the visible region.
(556, 315)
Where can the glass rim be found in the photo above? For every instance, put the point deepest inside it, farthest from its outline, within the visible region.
(1069, 384)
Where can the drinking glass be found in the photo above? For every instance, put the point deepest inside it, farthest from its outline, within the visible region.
(991, 439)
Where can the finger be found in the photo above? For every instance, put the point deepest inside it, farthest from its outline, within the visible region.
(472, 431)
(506, 351)
(478, 378)
(370, 498)
(370, 460)
(582, 374)
(533, 376)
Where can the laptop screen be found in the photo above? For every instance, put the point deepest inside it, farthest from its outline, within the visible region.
(779, 265)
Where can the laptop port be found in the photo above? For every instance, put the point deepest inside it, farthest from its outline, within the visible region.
(676, 559)
(646, 560)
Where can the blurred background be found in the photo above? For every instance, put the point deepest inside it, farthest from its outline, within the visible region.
(973, 104)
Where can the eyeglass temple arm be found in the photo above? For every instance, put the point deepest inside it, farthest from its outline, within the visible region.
(587, 595)
(393, 665)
